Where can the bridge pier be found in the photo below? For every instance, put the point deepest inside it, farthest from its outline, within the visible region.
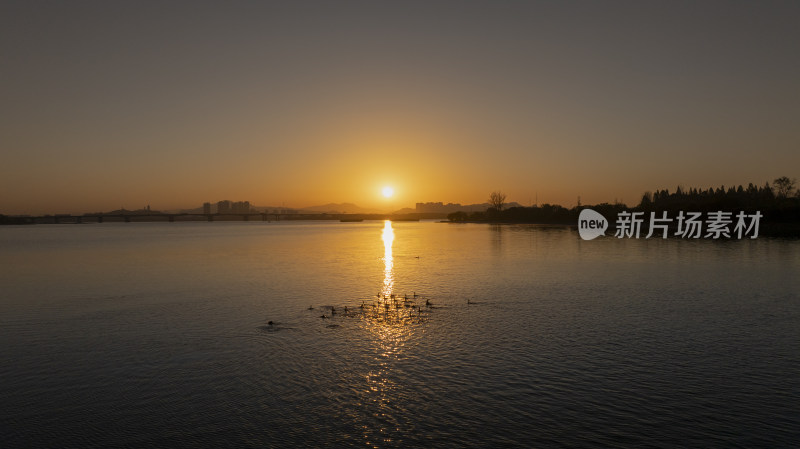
(80, 220)
(171, 218)
(210, 217)
(127, 218)
(100, 219)
(246, 217)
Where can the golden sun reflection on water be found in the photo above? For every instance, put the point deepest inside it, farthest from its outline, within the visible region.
(391, 323)
(388, 261)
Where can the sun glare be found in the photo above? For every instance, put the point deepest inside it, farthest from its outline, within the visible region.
(388, 192)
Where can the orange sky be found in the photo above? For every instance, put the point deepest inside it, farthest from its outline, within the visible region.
(123, 105)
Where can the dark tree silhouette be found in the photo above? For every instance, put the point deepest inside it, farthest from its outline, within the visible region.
(647, 200)
(497, 200)
(784, 186)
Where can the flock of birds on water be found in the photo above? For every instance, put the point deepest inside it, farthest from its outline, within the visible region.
(389, 309)
(386, 308)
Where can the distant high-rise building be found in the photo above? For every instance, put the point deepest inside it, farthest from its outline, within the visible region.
(232, 207)
(240, 207)
(206, 208)
(224, 207)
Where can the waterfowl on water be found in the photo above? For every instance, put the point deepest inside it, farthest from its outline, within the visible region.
(324, 316)
(270, 323)
(310, 307)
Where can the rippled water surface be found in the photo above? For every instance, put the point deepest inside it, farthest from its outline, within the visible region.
(158, 334)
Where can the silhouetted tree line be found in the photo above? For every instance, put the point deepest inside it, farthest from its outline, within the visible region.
(779, 203)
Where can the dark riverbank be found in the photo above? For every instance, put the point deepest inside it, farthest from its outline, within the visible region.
(778, 209)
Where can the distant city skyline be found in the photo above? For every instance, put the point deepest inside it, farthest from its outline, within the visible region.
(245, 207)
(110, 104)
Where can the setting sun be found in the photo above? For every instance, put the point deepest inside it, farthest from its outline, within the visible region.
(388, 192)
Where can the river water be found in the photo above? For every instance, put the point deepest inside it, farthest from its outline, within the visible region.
(158, 334)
